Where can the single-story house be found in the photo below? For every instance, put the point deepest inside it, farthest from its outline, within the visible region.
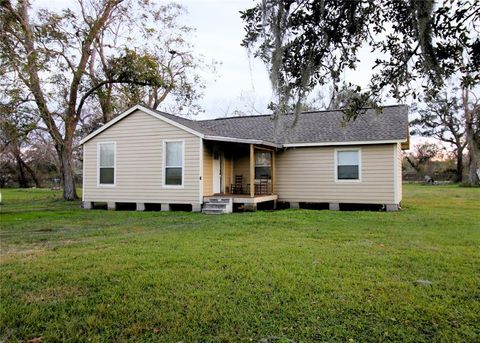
(151, 158)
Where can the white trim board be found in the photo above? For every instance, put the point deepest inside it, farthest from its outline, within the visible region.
(241, 140)
(395, 174)
(335, 164)
(200, 172)
(164, 163)
(107, 185)
(294, 145)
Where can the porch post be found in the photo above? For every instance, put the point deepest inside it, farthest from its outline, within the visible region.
(273, 171)
(252, 171)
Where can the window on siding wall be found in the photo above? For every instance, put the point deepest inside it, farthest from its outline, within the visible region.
(348, 165)
(106, 164)
(263, 165)
(174, 163)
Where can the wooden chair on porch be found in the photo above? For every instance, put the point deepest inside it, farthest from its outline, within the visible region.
(263, 185)
(237, 187)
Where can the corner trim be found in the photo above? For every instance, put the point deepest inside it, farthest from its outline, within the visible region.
(395, 174)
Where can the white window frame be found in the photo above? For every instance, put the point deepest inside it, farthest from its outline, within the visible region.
(164, 158)
(114, 165)
(336, 151)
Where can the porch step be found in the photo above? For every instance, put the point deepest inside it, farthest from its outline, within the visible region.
(218, 200)
(213, 211)
(217, 205)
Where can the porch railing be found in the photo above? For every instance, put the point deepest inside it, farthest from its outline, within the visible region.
(261, 188)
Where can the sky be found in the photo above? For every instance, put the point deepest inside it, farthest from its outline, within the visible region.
(241, 82)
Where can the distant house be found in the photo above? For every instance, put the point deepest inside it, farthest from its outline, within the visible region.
(154, 159)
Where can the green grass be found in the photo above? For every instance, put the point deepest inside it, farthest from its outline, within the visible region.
(69, 274)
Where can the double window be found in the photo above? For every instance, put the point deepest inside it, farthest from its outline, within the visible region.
(173, 163)
(348, 165)
(106, 163)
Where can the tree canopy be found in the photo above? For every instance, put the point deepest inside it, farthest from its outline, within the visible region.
(307, 42)
(418, 46)
(95, 52)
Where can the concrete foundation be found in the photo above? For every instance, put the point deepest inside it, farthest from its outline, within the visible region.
(391, 207)
(111, 206)
(88, 205)
(334, 206)
(165, 207)
(196, 207)
(294, 205)
(140, 206)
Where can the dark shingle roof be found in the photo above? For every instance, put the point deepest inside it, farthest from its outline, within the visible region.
(308, 127)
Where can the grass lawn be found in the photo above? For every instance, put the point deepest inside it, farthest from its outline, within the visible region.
(68, 274)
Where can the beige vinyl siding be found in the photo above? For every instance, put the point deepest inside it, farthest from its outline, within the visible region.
(399, 172)
(207, 170)
(139, 170)
(308, 175)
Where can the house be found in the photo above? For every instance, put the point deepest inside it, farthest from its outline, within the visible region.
(151, 158)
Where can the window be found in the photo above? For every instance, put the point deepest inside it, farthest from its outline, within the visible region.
(106, 163)
(348, 164)
(173, 163)
(263, 165)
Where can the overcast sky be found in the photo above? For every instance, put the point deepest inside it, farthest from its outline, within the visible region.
(241, 82)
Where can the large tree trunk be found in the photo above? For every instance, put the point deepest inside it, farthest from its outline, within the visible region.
(459, 176)
(65, 155)
(33, 174)
(473, 161)
(22, 178)
(473, 141)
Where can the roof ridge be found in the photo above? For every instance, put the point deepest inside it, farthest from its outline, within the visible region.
(291, 113)
(260, 115)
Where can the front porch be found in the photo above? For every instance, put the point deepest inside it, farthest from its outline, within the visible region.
(238, 173)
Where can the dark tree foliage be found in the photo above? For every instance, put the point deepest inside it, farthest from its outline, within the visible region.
(306, 42)
(442, 119)
(94, 51)
(421, 154)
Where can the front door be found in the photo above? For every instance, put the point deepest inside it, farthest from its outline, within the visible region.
(217, 172)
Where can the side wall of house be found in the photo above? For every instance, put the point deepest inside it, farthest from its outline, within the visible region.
(139, 169)
(398, 147)
(308, 175)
